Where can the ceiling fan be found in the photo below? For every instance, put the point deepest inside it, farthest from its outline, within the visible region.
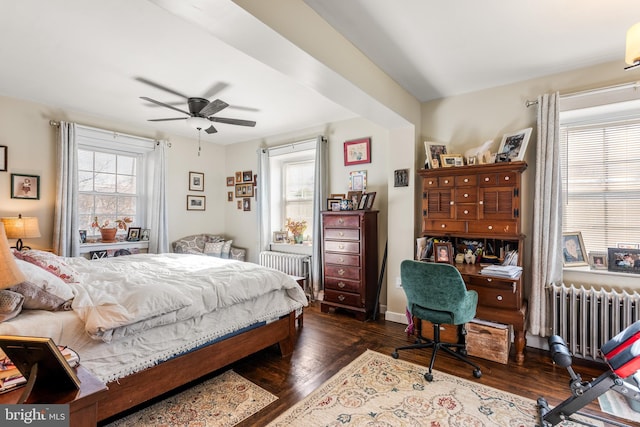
(201, 110)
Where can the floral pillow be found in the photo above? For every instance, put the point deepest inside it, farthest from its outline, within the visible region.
(10, 304)
(50, 262)
(213, 249)
(42, 290)
(226, 249)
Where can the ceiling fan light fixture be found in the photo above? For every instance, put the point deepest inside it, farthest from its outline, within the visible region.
(632, 54)
(199, 123)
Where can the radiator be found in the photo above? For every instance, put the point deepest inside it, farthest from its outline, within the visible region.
(292, 264)
(588, 317)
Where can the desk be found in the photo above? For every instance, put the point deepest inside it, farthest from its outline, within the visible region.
(83, 403)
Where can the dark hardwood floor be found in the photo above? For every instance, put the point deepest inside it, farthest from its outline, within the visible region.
(328, 342)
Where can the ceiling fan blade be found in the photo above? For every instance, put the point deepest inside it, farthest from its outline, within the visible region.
(165, 105)
(233, 121)
(159, 86)
(211, 130)
(166, 120)
(213, 107)
(215, 89)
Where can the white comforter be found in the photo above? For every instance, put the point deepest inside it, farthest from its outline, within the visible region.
(122, 296)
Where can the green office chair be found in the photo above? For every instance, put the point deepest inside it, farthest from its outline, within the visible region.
(436, 292)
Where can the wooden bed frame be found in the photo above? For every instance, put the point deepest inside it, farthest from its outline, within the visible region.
(142, 386)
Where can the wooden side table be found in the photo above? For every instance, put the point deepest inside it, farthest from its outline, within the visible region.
(83, 403)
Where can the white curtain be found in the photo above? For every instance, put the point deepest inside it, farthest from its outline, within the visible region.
(264, 199)
(66, 241)
(320, 193)
(157, 199)
(546, 257)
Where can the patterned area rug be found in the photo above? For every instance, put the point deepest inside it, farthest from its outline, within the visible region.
(377, 390)
(222, 401)
(615, 404)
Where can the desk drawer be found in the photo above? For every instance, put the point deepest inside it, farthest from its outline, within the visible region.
(342, 259)
(345, 298)
(466, 212)
(494, 227)
(443, 226)
(341, 234)
(342, 285)
(466, 195)
(341, 272)
(338, 246)
(498, 296)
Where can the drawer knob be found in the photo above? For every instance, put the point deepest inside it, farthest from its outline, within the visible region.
(451, 202)
(466, 194)
(466, 180)
(489, 279)
(486, 179)
(341, 285)
(340, 246)
(340, 259)
(340, 221)
(341, 272)
(499, 297)
(446, 181)
(443, 225)
(430, 182)
(490, 227)
(341, 234)
(481, 202)
(506, 178)
(466, 212)
(341, 298)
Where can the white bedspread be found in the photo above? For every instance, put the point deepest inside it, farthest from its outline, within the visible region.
(123, 296)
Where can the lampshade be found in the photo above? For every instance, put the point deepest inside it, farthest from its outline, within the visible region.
(21, 228)
(198, 123)
(10, 274)
(633, 45)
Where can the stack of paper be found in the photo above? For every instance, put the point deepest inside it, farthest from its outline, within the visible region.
(510, 271)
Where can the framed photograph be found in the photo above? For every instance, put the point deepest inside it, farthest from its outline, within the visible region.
(246, 204)
(230, 181)
(133, 235)
(229, 196)
(238, 176)
(196, 203)
(144, 236)
(513, 146)
(358, 181)
(434, 151)
(628, 245)
(239, 204)
(244, 190)
(196, 181)
(624, 260)
(247, 176)
(336, 205)
(357, 151)
(25, 186)
(370, 198)
(401, 178)
(331, 201)
(338, 196)
(3, 158)
(355, 197)
(363, 202)
(451, 160)
(443, 252)
(279, 237)
(573, 253)
(598, 260)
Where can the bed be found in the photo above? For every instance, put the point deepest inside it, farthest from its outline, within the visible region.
(148, 323)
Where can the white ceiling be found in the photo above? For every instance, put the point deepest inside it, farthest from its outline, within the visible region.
(84, 56)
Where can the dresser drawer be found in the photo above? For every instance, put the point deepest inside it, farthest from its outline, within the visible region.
(341, 272)
(342, 233)
(500, 178)
(342, 259)
(342, 285)
(466, 195)
(443, 226)
(345, 298)
(351, 221)
(446, 181)
(466, 180)
(466, 212)
(494, 227)
(497, 296)
(340, 246)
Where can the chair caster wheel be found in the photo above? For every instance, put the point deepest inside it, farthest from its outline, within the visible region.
(477, 373)
(395, 355)
(428, 376)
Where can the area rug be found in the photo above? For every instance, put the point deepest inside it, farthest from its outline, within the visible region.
(615, 404)
(222, 401)
(377, 390)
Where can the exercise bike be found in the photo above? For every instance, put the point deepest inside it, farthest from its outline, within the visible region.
(622, 355)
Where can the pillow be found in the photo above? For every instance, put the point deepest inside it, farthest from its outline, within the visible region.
(226, 249)
(50, 262)
(10, 304)
(42, 290)
(213, 249)
(237, 254)
(182, 248)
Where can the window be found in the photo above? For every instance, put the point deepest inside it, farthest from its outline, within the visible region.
(600, 163)
(110, 177)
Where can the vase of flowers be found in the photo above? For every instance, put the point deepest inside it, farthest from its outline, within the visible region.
(107, 230)
(297, 229)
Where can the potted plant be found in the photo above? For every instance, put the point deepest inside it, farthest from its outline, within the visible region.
(296, 228)
(107, 230)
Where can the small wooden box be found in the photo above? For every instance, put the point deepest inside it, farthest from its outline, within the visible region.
(488, 341)
(448, 333)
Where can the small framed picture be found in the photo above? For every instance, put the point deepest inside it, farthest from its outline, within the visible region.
(357, 151)
(336, 205)
(331, 201)
(370, 198)
(229, 196)
(279, 237)
(83, 236)
(3, 158)
(196, 203)
(434, 151)
(573, 253)
(230, 181)
(196, 181)
(401, 178)
(443, 252)
(598, 260)
(144, 235)
(238, 177)
(25, 186)
(358, 181)
(355, 197)
(363, 202)
(133, 235)
(624, 260)
(239, 204)
(513, 146)
(622, 245)
(247, 176)
(246, 204)
(244, 190)
(338, 196)
(451, 160)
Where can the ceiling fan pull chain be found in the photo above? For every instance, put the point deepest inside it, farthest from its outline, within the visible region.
(199, 144)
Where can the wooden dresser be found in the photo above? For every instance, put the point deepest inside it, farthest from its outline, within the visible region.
(350, 256)
(481, 203)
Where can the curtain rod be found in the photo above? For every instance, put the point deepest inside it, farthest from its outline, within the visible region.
(55, 123)
(630, 85)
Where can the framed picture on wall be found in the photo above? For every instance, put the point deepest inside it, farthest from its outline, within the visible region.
(196, 203)
(3, 158)
(357, 151)
(25, 186)
(196, 181)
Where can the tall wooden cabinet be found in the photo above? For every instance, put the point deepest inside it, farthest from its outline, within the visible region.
(481, 203)
(350, 256)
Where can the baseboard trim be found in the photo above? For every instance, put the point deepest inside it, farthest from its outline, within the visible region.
(396, 317)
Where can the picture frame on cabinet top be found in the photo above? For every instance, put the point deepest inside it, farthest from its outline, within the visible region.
(433, 151)
(513, 146)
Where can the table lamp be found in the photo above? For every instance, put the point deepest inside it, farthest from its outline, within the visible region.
(10, 274)
(21, 228)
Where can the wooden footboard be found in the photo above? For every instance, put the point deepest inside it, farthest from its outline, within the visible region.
(152, 382)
